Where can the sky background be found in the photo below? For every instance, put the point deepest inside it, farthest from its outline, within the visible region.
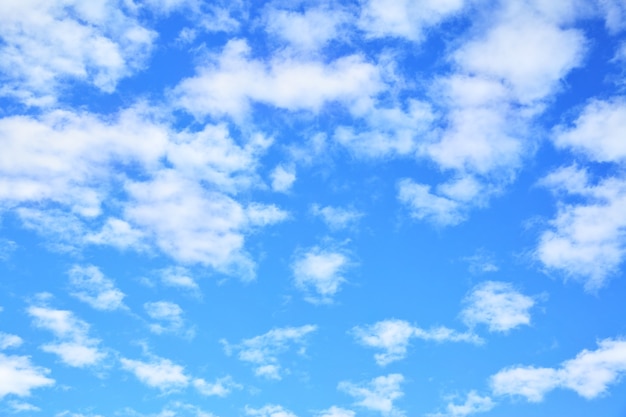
(312, 208)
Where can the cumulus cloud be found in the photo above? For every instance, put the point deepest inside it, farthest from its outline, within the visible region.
(498, 306)
(598, 132)
(18, 376)
(263, 351)
(377, 394)
(180, 277)
(38, 55)
(158, 373)
(221, 387)
(473, 404)
(319, 273)
(91, 286)
(337, 218)
(269, 410)
(589, 374)
(587, 238)
(73, 345)
(282, 178)
(9, 341)
(424, 205)
(232, 81)
(169, 316)
(394, 336)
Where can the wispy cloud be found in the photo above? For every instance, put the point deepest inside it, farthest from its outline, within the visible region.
(378, 394)
(158, 373)
(90, 285)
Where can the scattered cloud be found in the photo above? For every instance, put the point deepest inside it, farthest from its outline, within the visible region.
(262, 351)
(169, 317)
(283, 178)
(337, 218)
(269, 410)
(394, 336)
(9, 341)
(319, 273)
(481, 262)
(473, 404)
(221, 387)
(20, 376)
(21, 406)
(73, 345)
(178, 276)
(498, 306)
(335, 411)
(377, 394)
(587, 238)
(91, 286)
(158, 373)
(589, 374)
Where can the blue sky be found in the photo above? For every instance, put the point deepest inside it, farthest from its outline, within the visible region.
(312, 208)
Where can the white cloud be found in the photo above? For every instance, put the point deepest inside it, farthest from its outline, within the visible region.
(262, 351)
(232, 81)
(283, 178)
(589, 374)
(92, 287)
(337, 217)
(394, 336)
(404, 18)
(9, 341)
(319, 273)
(221, 387)
(377, 394)
(169, 316)
(73, 345)
(158, 373)
(473, 404)
(178, 277)
(335, 411)
(498, 306)
(18, 376)
(587, 239)
(269, 410)
(21, 406)
(309, 30)
(598, 132)
(424, 205)
(48, 42)
(615, 15)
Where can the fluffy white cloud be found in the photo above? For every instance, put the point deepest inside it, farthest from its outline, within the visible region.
(394, 337)
(473, 404)
(8, 341)
(283, 178)
(178, 277)
(587, 238)
(221, 387)
(232, 81)
(498, 306)
(18, 376)
(337, 217)
(598, 132)
(262, 351)
(309, 30)
(424, 205)
(377, 394)
(48, 42)
(73, 345)
(158, 373)
(270, 410)
(589, 374)
(319, 273)
(169, 316)
(405, 18)
(91, 286)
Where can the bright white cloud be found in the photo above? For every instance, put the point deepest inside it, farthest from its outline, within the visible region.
(498, 306)
(91, 286)
(18, 376)
(598, 132)
(263, 351)
(48, 42)
(319, 273)
(9, 341)
(394, 336)
(73, 345)
(473, 404)
(404, 18)
(337, 217)
(158, 373)
(424, 205)
(168, 315)
(589, 374)
(587, 238)
(377, 394)
(283, 178)
(178, 277)
(221, 387)
(232, 81)
(270, 410)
